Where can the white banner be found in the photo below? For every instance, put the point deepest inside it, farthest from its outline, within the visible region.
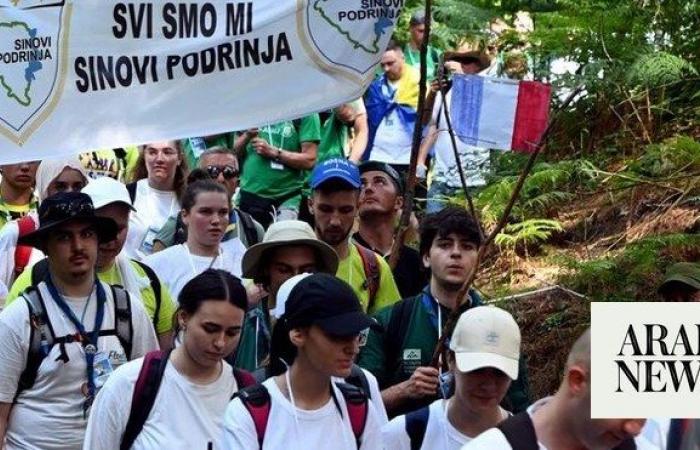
(87, 74)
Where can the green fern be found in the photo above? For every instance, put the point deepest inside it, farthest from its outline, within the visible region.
(528, 232)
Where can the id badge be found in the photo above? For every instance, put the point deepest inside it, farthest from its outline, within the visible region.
(102, 369)
(276, 166)
(147, 243)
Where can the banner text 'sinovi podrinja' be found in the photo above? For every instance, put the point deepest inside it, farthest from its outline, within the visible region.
(79, 75)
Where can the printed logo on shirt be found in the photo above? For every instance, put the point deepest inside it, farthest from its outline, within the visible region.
(411, 360)
(411, 354)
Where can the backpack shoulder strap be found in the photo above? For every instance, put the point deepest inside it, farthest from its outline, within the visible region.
(155, 285)
(358, 406)
(519, 432)
(397, 328)
(416, 424)
(23, 252)
(144, 396)
(131, 189)
(180, 234)
(256, 400)
(123, 325)
(248, 227)
(40, 271)
(243, 378)
(370, 265)
(358, 378)
(41, 339)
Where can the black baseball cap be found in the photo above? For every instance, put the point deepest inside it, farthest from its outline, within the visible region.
(369, 166)
(329, 302)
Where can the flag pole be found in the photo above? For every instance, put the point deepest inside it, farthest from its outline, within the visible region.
(400, 235)
(486, 244)
(442, 83)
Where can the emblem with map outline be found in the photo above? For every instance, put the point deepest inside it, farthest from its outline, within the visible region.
(31, 53)
(351, 35)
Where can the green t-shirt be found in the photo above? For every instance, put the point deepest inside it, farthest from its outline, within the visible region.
(268, 178)
(334, 136)
(192, 154)
(432, 59)
(254, 344)
(352, 271)
(112, 276)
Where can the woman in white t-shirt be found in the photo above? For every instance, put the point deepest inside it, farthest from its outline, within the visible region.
(196, 384)
(205, 212)
(159, 182)
(316, 339)
(483, 356)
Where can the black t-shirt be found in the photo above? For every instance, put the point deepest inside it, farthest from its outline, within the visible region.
(409, 274)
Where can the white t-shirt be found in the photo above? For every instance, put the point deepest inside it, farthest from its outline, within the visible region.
(475, 160)
(392, 142)
(440, 434)
(375, 396)
(49, 415)
(175, 265)
(292, 428)
(153, 207)
(8, 244)
(185, 415)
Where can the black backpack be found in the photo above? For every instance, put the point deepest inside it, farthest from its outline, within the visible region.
(520, 433)
(42, 337)
(41, 269)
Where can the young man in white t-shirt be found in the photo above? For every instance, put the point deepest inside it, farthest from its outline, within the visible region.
(314, 341)
(483, 357)
(65, 338)
(564, 421)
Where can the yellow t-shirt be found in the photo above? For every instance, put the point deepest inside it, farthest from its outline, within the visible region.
(10, 212)
(352, 271)
(112, 276)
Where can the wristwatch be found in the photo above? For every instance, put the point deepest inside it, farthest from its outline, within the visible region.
(278, 157)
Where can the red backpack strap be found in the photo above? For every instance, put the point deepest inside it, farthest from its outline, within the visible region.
(370, 265)
(256, 400)
(26, 225)
(243, 378)
(358, 407)
(144, 397)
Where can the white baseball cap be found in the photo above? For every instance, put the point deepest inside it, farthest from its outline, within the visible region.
(283, 294)
(105, 190)
(486, 336)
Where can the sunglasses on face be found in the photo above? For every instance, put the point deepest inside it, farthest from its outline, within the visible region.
(227, 171)
(66, 210)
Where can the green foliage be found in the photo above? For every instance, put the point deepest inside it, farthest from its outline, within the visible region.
(678, 154)
(528, 232)
(635, 273)
(659, 69)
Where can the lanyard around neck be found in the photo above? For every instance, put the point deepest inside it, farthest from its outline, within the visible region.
(88, 340)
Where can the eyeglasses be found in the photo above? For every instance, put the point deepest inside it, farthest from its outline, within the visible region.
(66, 210)
(227, 171)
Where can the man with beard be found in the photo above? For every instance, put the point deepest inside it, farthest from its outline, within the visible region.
(381, 200)
(401, 356)
(67, 334)
(335, 185)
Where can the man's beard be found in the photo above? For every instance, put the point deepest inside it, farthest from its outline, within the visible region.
(334, 237)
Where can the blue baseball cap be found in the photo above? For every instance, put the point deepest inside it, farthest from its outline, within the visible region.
(336, 169)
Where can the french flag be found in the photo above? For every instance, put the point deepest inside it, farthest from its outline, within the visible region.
(499, 114)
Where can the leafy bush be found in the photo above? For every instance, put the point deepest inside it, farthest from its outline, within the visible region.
(659, 69)
(528, 232)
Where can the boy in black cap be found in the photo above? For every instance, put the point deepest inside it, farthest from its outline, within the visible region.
(380, 203)
(316, 339)
(64, 340)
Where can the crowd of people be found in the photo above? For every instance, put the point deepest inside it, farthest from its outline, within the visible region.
(235, 292)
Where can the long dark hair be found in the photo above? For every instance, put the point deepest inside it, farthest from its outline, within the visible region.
(212, 284)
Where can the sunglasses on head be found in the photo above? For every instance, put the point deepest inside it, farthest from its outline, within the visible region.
(67, 210)
(227, 171)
